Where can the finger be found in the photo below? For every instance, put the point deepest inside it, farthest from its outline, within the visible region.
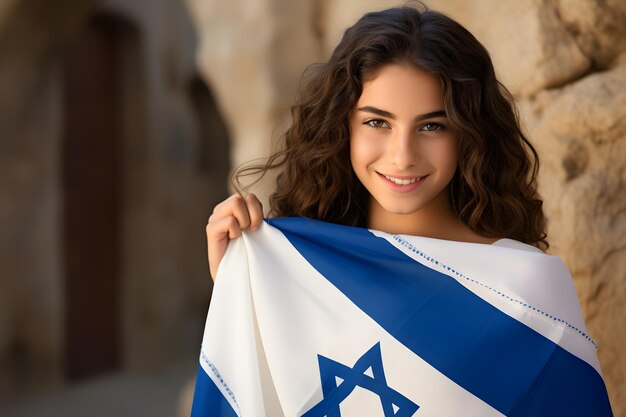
(219, 234)
(234, 205)
(239, 209)
(223, 229)
(255, 210)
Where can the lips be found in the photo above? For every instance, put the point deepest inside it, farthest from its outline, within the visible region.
(402, 183)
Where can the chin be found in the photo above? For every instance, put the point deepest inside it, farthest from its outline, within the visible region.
(401, 209)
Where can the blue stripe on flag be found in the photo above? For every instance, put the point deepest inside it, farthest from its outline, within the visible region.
(208, 401)
(495, 357)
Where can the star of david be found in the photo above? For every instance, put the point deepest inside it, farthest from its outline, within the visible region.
(339, 380)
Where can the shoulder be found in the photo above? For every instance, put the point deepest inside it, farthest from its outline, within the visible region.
(516, 244)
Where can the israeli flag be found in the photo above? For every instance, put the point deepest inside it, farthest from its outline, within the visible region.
(314, 319)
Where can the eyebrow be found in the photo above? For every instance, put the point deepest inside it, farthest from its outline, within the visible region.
(385, 113)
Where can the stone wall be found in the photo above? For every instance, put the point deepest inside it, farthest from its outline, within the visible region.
(174, 164)
(561, 59)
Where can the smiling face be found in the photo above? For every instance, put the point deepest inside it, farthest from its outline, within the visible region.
(402, 149)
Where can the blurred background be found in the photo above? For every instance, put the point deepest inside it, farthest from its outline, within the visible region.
(120, 121)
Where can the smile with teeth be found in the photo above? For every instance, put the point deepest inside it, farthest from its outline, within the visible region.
(403, 181)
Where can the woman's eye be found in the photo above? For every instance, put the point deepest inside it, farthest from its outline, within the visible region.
(432, 127)
(376, 123)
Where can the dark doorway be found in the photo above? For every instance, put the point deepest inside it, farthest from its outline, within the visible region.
(92, 184)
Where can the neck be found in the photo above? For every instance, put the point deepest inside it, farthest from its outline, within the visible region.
(431, 220)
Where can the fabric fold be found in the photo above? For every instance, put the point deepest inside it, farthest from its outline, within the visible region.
(310, 318)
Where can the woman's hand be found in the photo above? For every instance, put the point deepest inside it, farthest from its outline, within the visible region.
(229, 218)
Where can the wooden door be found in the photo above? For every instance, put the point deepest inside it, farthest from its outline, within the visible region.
(92, 174)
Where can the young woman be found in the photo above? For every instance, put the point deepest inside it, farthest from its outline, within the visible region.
(405, 131)
(405, 96)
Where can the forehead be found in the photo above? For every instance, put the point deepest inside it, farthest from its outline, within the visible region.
(402, 88)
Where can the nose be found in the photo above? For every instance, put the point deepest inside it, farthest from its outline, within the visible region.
(402, 149)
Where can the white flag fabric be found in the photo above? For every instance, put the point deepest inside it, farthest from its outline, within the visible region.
(314, 319)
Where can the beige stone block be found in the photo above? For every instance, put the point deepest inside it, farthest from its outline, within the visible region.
(597, 26)
(580, 133)
(253, 54)
(528, 43)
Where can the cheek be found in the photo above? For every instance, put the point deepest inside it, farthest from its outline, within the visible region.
(362, 152)
(444, 155)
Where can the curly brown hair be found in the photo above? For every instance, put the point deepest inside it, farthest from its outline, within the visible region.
(494, 190)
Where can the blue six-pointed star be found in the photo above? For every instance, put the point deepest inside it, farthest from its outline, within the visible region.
(393, 403)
